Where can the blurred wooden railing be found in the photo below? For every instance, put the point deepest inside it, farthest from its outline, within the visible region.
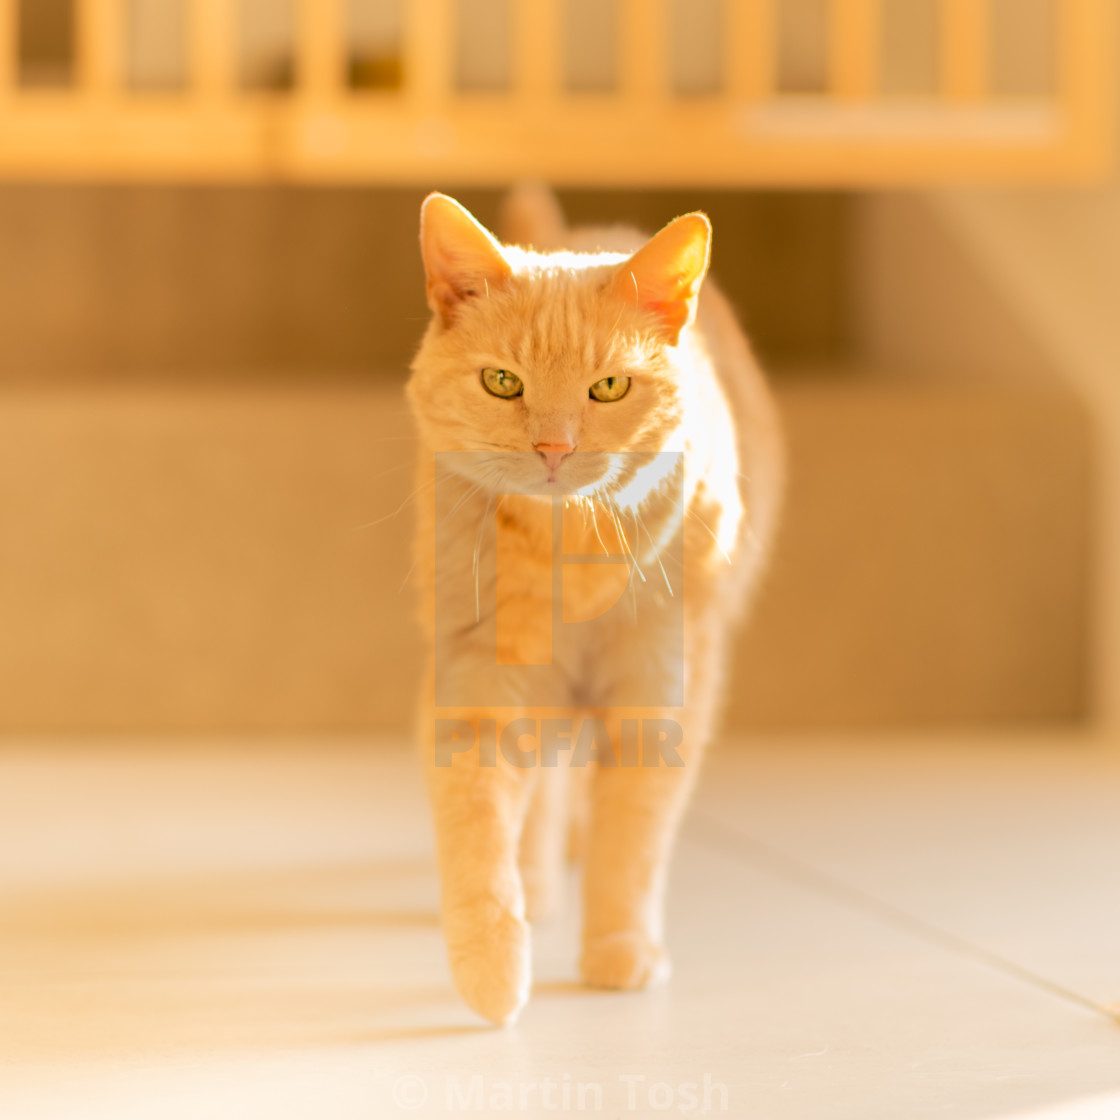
(418, 126)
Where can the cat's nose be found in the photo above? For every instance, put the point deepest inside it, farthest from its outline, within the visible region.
(554, 454)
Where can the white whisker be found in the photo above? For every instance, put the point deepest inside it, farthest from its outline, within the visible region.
(404, 505)
(613, 510)
(477, 552)
(595, 526)
(638, 522)
(693, 513)
(407, 576)
(463, 499)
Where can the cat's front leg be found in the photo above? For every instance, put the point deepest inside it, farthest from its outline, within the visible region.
(635, 812)
(478, 805)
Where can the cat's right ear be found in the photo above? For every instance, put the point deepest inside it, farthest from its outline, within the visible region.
(462, 260)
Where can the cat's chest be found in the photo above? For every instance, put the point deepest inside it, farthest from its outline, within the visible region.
(581, 556)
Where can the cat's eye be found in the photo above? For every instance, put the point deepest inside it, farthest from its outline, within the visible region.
(502, 383)
(610, 388)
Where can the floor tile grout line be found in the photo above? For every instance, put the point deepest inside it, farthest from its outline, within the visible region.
(747, 849)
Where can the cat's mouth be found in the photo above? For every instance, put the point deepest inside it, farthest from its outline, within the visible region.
(577, 472)
(576, 475)
(517, 472)
(554, 483)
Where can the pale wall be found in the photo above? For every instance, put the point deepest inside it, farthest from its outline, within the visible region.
(225, 558)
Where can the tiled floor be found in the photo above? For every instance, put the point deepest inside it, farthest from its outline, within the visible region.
(904, 930)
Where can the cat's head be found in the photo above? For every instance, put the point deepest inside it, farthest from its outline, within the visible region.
(561, 370)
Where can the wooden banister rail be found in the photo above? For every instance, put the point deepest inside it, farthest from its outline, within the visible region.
(422, 127)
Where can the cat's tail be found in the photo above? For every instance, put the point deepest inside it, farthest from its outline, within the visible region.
(531, 215)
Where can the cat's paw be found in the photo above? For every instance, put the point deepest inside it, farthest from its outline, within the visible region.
(490, 961)
(625, 960)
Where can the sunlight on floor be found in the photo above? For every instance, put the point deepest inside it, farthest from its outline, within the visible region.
(250, 929)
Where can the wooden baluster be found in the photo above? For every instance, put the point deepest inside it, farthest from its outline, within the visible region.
(964, 49)
(100, 47)
(212, 49)
(429, 32)
(854, 48)
(751, 45)
(1086, 80)
(320, 48)
(9, 46)
(537, 42)
(645, 60)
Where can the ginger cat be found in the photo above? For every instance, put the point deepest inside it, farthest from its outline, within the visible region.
(600, 476)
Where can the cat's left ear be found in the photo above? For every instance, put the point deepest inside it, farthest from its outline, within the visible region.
(462, 259)
(665, 274)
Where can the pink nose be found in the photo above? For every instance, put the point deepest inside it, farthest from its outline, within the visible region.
(554, 453)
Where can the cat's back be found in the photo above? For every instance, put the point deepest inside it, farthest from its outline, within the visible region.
(761, 446)
(724, 353)
(532, 215)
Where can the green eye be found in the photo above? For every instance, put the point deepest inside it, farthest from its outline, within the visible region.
(610, 388)
(502, 383)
